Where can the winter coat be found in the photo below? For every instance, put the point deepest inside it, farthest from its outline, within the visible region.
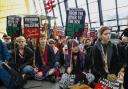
(122, 53)
(126, 70)
(4, 54)
(39, 55)
(53, 57)
(27, 57)
(98, 61)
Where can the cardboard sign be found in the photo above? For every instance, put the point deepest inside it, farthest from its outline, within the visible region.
(13, 25)
(106, 84)
(60, 31)
(101, 86)
(75, 22)
(31, 26)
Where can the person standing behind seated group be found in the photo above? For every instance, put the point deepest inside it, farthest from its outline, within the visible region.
(105, 57)
(22, 57)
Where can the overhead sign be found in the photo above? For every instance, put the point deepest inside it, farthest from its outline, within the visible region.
(75, 22)
(13, 25)
(31, 26)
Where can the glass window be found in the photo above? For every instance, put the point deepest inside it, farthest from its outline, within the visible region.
(123, 12)
(108, 7)
(95, 24)
(123, 21)
(92, 1)
(82, 4)
(93, 8)
(110, 23)
(94, 17)
(57, 14)
(114, 28)
(123, 27)
(61, 0)
(122, 3)
(71, 4)
(63, 12)
(94, 14)
(41, 3)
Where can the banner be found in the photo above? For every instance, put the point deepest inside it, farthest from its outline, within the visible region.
(13, 25)
(31, 26)
(75, 22)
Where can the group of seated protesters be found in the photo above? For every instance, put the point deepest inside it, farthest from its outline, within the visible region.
(83, 62)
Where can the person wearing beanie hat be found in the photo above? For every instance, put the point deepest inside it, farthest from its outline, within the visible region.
(105, 56)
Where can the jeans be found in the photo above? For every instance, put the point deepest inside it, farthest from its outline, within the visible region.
(28, 70)
(4, 76)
